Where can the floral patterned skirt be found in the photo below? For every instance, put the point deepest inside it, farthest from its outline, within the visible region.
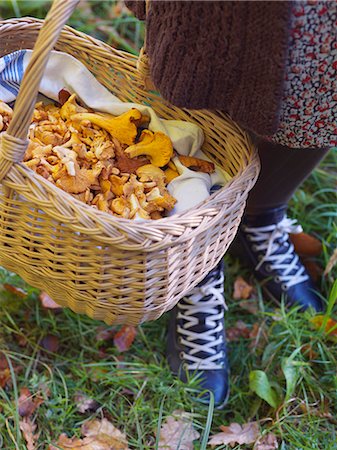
(309, 107)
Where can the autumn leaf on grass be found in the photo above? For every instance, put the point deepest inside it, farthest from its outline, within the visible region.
(124, 338)
(47, 302)
(27, 403)
(85, 403)
(15, 290)
(305, 244)
(50, 343)
(314, 270)
(99, 435)
(240, 330)
(266, 442)
(105, 334)
(28, 429)
(330, 328)
(5, 373)
(242, 290)
(177, 432)
(236, 434)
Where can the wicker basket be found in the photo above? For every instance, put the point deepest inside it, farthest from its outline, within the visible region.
(111, 269)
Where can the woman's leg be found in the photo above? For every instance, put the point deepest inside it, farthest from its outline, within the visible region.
(282, 171)
(263, 239)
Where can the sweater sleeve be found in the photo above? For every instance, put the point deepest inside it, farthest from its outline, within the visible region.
(137, 7)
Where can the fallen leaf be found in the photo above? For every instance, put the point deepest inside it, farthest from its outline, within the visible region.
(242, 290)
(266, 442)
(85, 403)
(5, 373)
(47, 302)
(21, 339)
(177, 432)
(50, 343)
(240, 330)
(330, 327)
(124, 338)
(15, 290)
(28, 428)
(99, 435)
(314, 270)
(27, 403)
(322, 412)
(305, 244)
(309, 352)
(236, 434)
(249, 305)
(331, 263)
(105, 334)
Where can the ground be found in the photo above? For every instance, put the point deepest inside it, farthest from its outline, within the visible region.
(60, 355)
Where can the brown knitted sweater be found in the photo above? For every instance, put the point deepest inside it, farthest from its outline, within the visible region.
(227, 55)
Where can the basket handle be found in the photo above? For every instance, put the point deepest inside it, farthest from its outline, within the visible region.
(14, 141)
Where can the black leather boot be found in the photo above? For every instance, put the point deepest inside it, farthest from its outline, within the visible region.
(263, 244)
(196, 340)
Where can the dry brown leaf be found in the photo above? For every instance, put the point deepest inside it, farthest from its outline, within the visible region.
(266, 442)
(177, 432)
(242, 290)
(240, 330)
(5, 373)
(15, 290)
(305, 244)
(47, 302)
(85, 403)
(28, 428)
(50, 343)
(330, 326)
(236, 434)
(99, 435)
(105, 334)
(124, 338)
(315, 271)
(249, 305)
(331, 263)
(27, 403)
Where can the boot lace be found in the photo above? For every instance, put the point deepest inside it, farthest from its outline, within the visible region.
(268, 240)
(209, 301)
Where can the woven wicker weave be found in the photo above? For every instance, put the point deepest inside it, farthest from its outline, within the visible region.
(111, 269)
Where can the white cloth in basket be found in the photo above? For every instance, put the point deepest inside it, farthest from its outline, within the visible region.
(65, 72)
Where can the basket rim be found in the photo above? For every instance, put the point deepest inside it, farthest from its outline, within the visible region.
(159, 227)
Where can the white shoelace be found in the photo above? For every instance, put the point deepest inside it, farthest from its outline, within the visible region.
(286, 263)
(214, 321)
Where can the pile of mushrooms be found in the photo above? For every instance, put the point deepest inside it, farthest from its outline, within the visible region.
(113, 163)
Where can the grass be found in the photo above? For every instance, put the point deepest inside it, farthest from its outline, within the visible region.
(136, 390)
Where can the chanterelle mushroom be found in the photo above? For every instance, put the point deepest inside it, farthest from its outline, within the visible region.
(157, 146)
(123, 127)
(70, 107)
(6, 114)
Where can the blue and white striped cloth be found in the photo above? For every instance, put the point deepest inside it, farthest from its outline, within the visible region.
(11, 73)
(65, 72)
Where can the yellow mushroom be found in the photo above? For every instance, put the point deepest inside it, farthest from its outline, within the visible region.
(70, 107)
(170, 174)
(157, 146)
(123, 127)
